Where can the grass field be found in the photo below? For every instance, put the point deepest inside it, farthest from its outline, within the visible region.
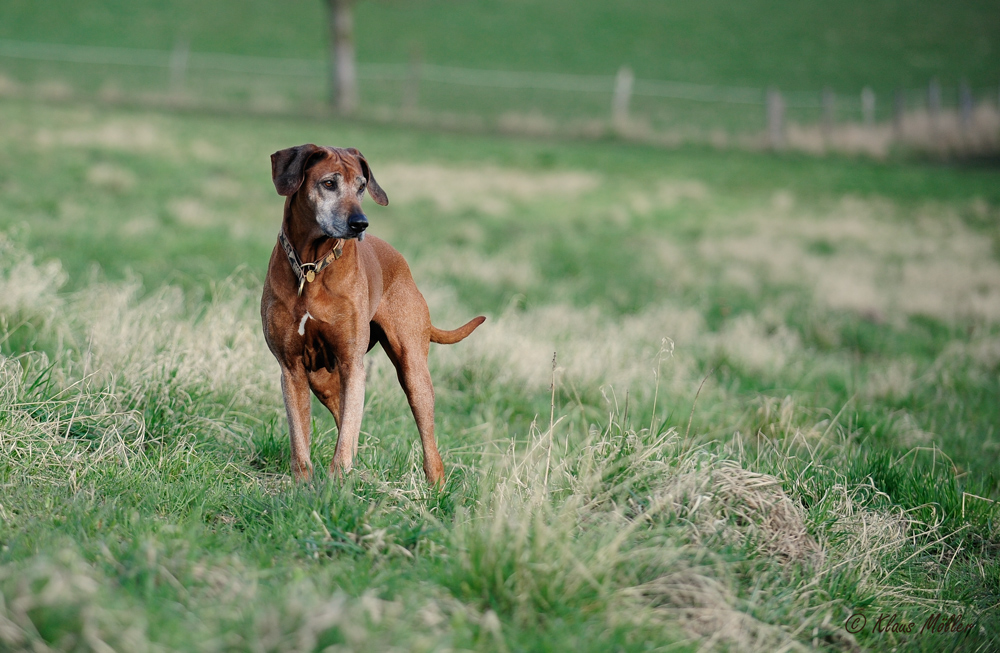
(846, 44)
(800, 48)
(775, 401)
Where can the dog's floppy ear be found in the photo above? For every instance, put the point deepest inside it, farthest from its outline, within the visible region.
(373, 188)
(288, 167)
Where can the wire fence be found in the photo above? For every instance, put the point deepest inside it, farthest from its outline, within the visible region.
(932, 118)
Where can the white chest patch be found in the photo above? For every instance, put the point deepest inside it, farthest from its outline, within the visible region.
(302, 324)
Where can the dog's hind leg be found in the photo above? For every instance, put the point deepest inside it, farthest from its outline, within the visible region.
(415, 377)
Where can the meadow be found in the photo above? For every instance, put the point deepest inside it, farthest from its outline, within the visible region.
(459, 53)
(773, 404)
(796, 45)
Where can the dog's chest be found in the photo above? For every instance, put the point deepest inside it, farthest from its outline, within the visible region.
(317, 349)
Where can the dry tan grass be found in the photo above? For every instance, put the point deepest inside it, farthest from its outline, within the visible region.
(874, 534)
(488, 189)
(945, 135)
(982, 351)
(205, 151)
(751, 342)
(538, 124)
(125, 135)
(721, 499)
(893, 381)
(111, 92)
(191, 212)
(882, 262)
(223, 188)
(533, 124)
(713, 499)
(140, 225)
(666, 194)
(67, 585)
(592, 349)
(8, 87)
(27, 287)
(149, 338)
(512, 267)
(709, 612)
(54, 90)
(111, 177)
(269, 102)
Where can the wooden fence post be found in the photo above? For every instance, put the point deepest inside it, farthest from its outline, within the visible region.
(411, 90)
(898, 111)
(775, 119)
(934, 106)
(178, 66)
(343, 69)
(965, 105)
(868, 106)
(623, 94)
(829, 102)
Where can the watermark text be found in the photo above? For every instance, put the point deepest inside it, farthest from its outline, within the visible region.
(890, 622)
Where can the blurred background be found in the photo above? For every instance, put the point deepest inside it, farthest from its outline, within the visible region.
(846, 76)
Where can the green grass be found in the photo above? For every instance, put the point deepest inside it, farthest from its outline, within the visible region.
(818, 438)
(796, 45)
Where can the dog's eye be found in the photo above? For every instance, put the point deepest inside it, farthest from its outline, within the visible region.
(329, 183)
(362, 187)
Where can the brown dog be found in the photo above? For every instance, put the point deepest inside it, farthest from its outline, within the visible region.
(321, 317)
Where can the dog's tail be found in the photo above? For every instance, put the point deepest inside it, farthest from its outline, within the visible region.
(442, 337)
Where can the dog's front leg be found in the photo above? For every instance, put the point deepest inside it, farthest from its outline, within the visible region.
(295, 389)
(352, 405)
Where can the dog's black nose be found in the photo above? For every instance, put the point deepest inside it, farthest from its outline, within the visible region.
(357, 223)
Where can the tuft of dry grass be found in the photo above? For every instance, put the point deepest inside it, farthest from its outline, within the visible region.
(123, 135)
(113, 178)
(488, 189)
(937, 265)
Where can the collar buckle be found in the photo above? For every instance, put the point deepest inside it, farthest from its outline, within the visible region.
(306, 272)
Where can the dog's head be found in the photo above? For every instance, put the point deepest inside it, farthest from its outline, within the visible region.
(332, 182)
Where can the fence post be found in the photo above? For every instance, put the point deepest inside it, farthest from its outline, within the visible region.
(898, 109)
(623, 94)
(934, 106)
(178, 66)
(965, 105)
(829, 102)
(775, 119)
(868, 106)
(411, 91)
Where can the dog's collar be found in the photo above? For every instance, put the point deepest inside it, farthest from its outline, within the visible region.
(306, 272)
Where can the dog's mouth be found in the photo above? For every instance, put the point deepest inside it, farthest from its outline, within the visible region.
(351, 236)
(342, 234)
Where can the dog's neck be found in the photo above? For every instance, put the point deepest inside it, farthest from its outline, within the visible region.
(306, 237)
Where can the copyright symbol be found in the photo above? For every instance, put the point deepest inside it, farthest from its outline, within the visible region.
(855, 624)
